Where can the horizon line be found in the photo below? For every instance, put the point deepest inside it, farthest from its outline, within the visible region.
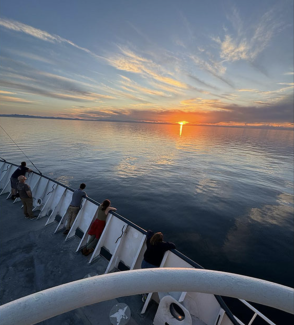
(146, 122)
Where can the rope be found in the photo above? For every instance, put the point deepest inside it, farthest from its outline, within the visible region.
(20, 149)
(122, 232)
(53, 188)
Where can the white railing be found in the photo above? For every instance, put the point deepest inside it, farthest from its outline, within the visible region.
(61, 299)
(256, 313)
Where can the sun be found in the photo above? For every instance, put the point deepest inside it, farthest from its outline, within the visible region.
(183, 122)
(181, 126)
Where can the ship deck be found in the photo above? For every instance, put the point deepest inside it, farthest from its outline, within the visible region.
(33, 258)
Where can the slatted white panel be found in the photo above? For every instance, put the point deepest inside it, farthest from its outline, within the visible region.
(129, 248)
(61, 209)
(2, 167)
(5, 180)
(39, 192)
(53, 201)
(109, 237)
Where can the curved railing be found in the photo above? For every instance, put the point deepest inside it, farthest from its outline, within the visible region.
(58, 300)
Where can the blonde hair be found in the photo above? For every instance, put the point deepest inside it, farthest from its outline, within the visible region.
(156, 238)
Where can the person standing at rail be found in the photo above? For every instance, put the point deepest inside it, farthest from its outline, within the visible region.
(21, 170)
(97, 227)
(74, 207)
(26, 197)
(153, 255)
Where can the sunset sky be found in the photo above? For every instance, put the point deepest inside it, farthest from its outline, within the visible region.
(204, 62)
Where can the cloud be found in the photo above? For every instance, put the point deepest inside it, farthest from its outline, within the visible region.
(287, 83)
(245, 45)
(14, 100)
(289, 73)
(249, 90)
(5, 92)
(128, 61)
(129, 83)
(40, 34)
(202, 82)
(73, 96)
(14, 73)
(215, 112)
(215, 68)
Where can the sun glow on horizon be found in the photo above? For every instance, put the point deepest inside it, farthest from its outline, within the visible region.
(183, 122)
(181, 126)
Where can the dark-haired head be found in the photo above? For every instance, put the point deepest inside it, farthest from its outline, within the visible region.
(156, 238)
(82, 186)
(23, 164)
(105, 204)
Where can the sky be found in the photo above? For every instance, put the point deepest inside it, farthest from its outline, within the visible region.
(204, 62)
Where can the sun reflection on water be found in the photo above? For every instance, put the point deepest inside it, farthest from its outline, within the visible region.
(181, 126)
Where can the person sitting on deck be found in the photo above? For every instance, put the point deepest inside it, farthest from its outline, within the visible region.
(26, 197)
(97, 227)
(153, 255)
(21, 170)
(74, 207)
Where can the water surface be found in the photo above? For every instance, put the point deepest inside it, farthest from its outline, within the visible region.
(223, 195)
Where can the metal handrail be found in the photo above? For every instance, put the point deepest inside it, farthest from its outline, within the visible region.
(67, 297)
(256, 313)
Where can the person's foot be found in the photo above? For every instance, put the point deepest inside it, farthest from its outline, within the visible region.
(89, 251)
(84, 251)
(66, 232)
(27, 215)
(32, 217)
(13, 197)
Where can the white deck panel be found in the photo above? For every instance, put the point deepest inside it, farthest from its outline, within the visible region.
(61, 209)
(112, 233)
(203, 306)
(130, 243)
(52, 202)
(5, 179)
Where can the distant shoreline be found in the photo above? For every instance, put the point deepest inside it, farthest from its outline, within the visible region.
(268, 127)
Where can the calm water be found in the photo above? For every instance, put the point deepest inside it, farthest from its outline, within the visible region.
(224, 196)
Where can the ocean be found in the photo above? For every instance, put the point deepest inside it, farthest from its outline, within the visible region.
(223, 195)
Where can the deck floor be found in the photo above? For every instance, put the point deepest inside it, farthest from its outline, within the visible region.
(33, 258)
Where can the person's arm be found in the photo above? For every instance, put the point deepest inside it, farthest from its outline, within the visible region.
(109, 209)
(28, 190)
(149, 234)
(169, 245)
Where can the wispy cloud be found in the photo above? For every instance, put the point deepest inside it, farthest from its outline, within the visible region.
(131, 84)
(14, 100)
(40, 34)
(214, 67)
(129, 61)
(249, 90)
(244, 45)
(203, 83)
(5, 92)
